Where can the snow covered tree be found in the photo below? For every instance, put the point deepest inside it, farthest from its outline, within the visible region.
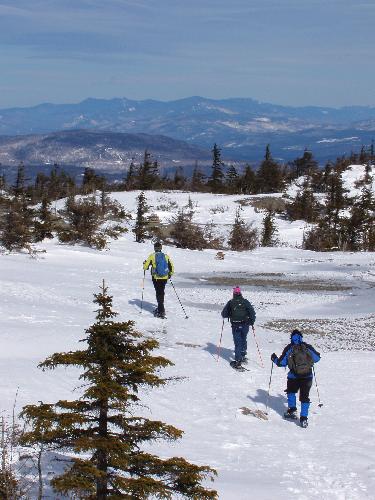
(242, 236)
(216, 179)
(43, 224)
(140, 228)
(101, 429)
(185, 233)
(304, 205)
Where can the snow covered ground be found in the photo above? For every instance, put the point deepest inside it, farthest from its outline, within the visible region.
(46, 303)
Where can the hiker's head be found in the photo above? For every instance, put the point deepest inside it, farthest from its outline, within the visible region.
(296, 337)
(236, 290)
(157, 246)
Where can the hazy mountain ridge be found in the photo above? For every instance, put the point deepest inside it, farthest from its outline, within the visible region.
(97, 149)
(241, 126)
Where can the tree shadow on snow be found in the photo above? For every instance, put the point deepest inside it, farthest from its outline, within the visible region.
(224, 353)
(277, 403)
(147, 306)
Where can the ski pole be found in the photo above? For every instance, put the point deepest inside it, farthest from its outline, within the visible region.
(260, 356)
(317, 389)
(143, 289)
(269, 388)
(219, 346)
(186, 316)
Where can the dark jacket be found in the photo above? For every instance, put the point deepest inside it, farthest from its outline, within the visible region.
(283, 359)
(227, 312)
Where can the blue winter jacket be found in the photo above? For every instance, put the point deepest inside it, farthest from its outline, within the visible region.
(283, 359)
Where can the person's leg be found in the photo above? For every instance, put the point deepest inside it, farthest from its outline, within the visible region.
(244, 332)
(159, 286)
(292, 387)
(305, 386)
(237, 339)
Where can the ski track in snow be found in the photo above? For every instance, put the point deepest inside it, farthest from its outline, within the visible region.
(46, 304)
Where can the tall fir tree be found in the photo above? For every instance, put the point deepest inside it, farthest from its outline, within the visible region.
(197, 179)
(217, 175)
(269, 175)
(140, 228)
(100, 428)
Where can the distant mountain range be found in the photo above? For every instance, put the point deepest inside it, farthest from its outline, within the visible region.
(109, 152)
(241, 127)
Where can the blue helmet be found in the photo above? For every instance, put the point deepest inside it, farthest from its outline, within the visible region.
(296, 337)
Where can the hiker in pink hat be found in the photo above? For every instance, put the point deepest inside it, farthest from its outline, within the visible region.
(241, 315)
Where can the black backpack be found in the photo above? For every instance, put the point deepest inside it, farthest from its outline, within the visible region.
(239, 312)
(300, 360)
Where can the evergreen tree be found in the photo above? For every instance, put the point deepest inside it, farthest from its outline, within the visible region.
(269, 230)
(100, 427)
(179, 179)
(130, 179)
(91, 182)
(20, 185)
(269, 175)
(242, 236)
(306, 165)
(231, 180)
(197, 179)
(216, 180)
(148, 173)
(185, 233)
(43, 224)
(140, 228)
(17, 225)
(247, 181)
(304, 206)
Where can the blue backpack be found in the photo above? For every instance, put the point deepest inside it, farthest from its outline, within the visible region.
(161, 268)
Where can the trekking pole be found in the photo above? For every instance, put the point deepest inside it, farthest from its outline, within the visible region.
(317, 389)
(219, 346)
(186, 316)
(269, 388)
(143, 289)
(260, 356)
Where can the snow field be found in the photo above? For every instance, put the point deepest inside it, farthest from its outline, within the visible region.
(46, 304)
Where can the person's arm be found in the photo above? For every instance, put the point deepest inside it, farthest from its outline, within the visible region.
(226, 312)
(251, 312)
(170, 266)
(147, 263)
(283, 359)
(314, 354)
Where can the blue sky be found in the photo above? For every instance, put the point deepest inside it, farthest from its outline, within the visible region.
(292, 52)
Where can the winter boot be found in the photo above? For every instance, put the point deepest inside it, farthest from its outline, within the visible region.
(291, 413)
(303, 422)
(244, 360)
(236, 365)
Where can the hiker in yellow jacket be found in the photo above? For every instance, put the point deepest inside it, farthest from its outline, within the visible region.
(161, 270)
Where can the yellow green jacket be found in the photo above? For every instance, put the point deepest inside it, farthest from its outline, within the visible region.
(151, 261)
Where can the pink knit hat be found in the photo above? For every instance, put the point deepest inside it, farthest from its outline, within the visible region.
(236, 290)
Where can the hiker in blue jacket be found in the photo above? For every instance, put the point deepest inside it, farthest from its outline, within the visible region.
(241, 315)
(300, 358)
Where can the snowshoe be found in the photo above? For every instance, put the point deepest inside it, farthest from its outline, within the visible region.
(303, 422)
(291, 414)
(236, 365)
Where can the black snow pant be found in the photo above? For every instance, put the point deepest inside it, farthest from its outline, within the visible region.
(159, 286)
(303, 385)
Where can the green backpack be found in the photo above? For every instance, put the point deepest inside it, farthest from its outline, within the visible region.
(300, 360)
(238, 310)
